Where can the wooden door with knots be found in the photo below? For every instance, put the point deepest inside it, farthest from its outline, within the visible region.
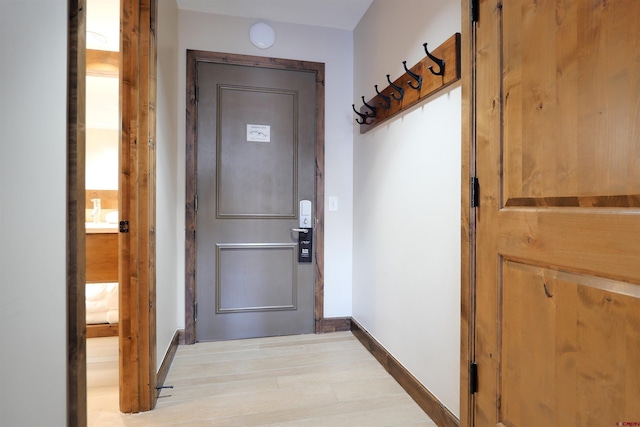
(557, 101)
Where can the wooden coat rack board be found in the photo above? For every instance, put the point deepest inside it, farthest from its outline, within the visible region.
(387, 105)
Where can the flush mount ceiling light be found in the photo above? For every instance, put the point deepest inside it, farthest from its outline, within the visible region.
(262, 35)
(95, 37)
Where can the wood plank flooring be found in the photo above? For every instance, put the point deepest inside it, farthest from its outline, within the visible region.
(304, 380)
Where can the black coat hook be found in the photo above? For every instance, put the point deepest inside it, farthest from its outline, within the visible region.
(396, 87)
(413, 75)
(385, 98)
(370, 107)
(364, 117)
(438, 61)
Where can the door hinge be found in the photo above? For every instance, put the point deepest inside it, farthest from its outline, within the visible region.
(475, 10)
(473, 378)
(195, 204)
(475, 192)
(124, 226)
(195, 311)
(197, 93)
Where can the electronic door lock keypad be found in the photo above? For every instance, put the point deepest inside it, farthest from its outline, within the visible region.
(305, 232)
(305, 245)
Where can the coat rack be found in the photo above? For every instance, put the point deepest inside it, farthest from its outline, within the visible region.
(434, 72)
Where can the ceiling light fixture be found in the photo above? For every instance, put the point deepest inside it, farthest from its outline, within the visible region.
(262, 35)
(97, 38)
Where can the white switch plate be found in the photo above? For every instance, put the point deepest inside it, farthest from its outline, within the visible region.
(333, 204)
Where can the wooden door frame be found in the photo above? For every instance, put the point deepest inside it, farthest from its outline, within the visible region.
(75, 233)
(136, 204)
(468, 216)
(193, 58)
(137, 248)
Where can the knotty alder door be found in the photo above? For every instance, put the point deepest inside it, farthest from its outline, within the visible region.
(557, 337)
(255, 163)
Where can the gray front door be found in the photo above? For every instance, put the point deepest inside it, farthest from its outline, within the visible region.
(255, 163)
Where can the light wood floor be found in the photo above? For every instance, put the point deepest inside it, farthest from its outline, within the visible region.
(306, 380)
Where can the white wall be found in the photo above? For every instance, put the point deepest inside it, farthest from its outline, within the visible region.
(33, 355)
(334, 48)
(406, 286)
(167, 206)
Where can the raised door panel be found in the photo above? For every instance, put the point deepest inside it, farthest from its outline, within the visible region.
(257, 179)
(569, 348)
(570, 88)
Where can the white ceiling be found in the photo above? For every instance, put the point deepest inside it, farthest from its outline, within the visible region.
(341, 14)
(103, 15)
(103, 31)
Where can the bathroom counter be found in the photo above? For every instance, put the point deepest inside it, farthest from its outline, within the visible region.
(100, 227)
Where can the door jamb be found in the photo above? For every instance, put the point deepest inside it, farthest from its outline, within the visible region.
(193, 57)
(75, 233)
(136, 204)
(468, 217)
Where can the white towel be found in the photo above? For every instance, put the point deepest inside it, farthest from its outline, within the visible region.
(101, 303)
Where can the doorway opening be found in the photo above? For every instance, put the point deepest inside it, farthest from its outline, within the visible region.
(136, 207)
(102, 145)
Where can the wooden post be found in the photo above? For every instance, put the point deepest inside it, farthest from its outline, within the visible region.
(76, 342)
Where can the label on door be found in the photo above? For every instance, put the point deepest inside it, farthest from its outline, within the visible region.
(258, 133)
(305, 242)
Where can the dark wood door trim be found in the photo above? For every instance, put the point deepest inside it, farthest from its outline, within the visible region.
(193, 57)
(76, 318)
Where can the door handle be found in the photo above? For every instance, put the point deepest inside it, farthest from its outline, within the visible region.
(300, 230)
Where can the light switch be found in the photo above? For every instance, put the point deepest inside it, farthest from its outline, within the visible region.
(333, 204)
